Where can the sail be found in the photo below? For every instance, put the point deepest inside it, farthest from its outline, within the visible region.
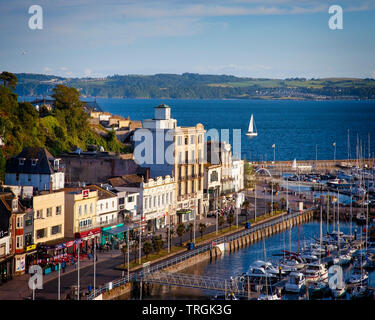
(251, 124)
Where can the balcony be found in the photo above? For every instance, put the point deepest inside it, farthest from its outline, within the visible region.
(105, 223)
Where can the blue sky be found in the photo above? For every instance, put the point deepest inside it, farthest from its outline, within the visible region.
(255, 38)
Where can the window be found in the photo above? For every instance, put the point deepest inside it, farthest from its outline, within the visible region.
(192, 185)
(130, 199)
(101, 206)
(41, 233)
(80, 210)
(19, 222)
(2, 250)
(19, 242)
(192, 140)
(186, 140)
(162, 200)
(58, 210)
(166, 198)
(28, 220)
(85, 208)
(149, 202)
(28, 239)
(29, 177)
(49, 212)
(192, 156)
(159, 201)
(56, 230)
(171, 197)
(214, 176)
(121, 201)
(106, 205)
(21, 162)
(113, 204)
(186, 188)
(14, 204)
(186, 156)
(180, 157)
(145, 203)
(90, 207)
(39, 214)
(200, 138)
(179, 140)
(33, 162)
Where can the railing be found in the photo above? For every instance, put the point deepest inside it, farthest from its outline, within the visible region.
(204, 248)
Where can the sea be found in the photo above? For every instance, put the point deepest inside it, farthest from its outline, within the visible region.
(301, 130)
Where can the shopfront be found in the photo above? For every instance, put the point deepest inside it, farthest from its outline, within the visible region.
(113, 235)
(6, 269)
(88, 238)
(31, 256)
(156, 221)
(185, 215)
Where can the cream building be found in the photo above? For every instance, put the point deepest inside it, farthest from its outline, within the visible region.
(80, 210)
(49, 212)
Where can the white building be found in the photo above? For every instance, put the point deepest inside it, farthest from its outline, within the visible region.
(35, 167)
(212, 184)
(106, 206)
(238, 174)
(158, 200)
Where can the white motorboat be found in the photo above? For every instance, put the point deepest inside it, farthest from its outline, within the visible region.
(268, 267)
(258, 272)
(269, 297)
(316, 271)
(251, 132)
(296, 281)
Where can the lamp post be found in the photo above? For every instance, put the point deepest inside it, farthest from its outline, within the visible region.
(94, 263)
(79, 245)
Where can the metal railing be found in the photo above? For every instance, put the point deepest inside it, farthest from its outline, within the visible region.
(189, 254)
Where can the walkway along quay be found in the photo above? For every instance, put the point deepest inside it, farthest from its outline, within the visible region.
(213, 249)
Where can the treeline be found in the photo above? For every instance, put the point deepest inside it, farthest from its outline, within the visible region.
(62, 129)
(196, 86)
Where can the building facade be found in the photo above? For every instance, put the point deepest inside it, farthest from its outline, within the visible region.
(49, 216)
(35, 167)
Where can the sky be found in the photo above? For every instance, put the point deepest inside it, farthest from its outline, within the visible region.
(249, 38)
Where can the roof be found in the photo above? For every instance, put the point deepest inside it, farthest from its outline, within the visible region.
(102, 193)
(160, 106)
(130, 180)
(43, 165)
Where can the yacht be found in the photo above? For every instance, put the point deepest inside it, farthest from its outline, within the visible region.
(251, 132)
(296, 281)
(316, 271)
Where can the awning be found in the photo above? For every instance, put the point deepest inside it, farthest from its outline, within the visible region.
(184, 211)
(117, 230)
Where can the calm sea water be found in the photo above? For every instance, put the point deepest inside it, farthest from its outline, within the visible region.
(295, 127)
(238, 262)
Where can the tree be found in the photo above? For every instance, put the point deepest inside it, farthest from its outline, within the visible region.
(147, 248)
(269, 206)
(191, 229)
(157, 243)
(230, 219)
(283, 203)
(246, 206)
(220, 221)
(275, 206)
(180, 231)
(202, 228)
(9, 80)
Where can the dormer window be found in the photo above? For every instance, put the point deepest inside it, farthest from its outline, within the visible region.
(21, 161)
(34, 162)
(14, 204)
(56, 164)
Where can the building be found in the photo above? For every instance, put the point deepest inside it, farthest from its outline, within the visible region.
(35, 167)
(238, 174)
(49, 217)
(25, 196)
(177, 152)
(155, 201)
(212, 185)
(93, 166)
(220, 153)
(106, 206)
(80, 214)
(6, 244)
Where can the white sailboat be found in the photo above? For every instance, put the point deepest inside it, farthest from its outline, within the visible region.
(251, 132)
